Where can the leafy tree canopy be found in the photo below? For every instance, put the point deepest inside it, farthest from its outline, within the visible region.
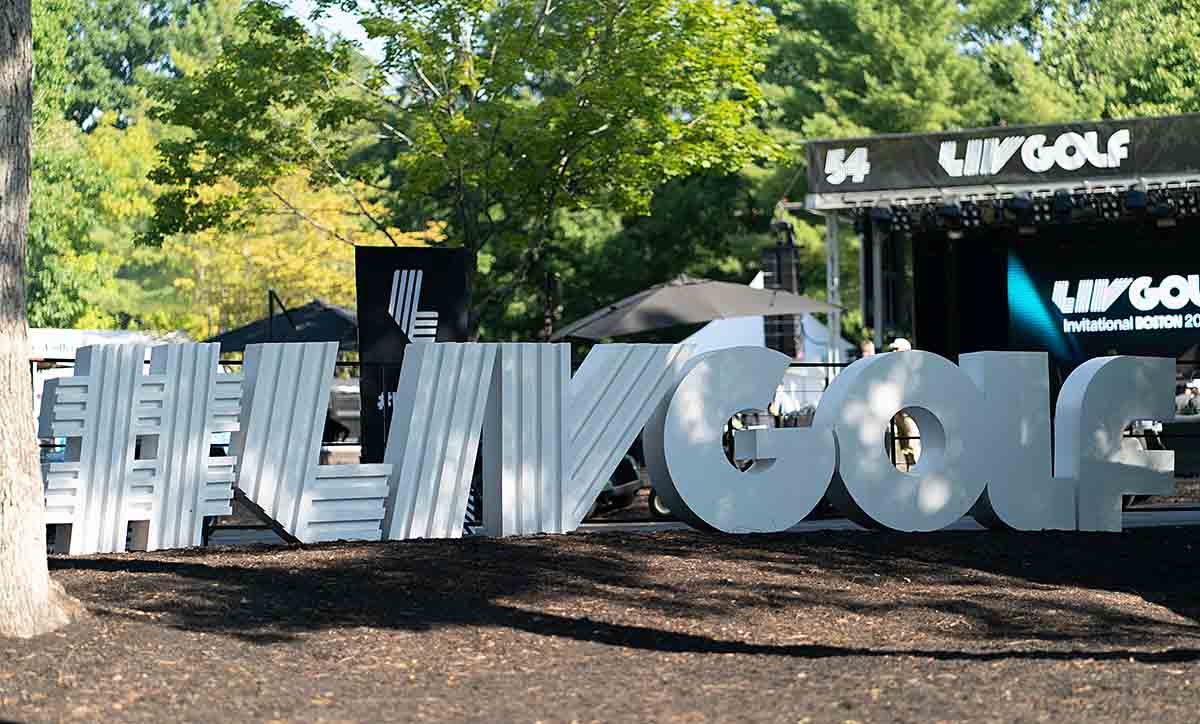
(579, 150)
(501, 114)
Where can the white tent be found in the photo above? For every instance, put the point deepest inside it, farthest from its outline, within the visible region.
(748, 332)
(725, 333)
(62, 344)
(816, 336)
(801, 387)
(50, 346)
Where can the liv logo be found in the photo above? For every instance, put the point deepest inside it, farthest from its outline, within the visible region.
(403, 306)
(1069, 151)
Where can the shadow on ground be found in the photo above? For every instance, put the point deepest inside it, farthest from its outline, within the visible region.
(957, 595)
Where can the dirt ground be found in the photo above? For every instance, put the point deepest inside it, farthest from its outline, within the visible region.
(670, 627)
(1187, 493)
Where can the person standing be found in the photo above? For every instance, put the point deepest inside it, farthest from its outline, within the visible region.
(906, 443)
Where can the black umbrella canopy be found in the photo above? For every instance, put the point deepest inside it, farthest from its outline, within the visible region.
(314, 322)
(687, 300)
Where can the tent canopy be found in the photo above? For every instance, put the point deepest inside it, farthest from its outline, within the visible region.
(316, 321)
(687, 300)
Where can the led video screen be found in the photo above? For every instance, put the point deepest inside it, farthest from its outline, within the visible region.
(1117, 294)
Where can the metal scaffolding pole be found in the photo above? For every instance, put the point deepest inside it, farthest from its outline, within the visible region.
(833, 289)
(877, 282)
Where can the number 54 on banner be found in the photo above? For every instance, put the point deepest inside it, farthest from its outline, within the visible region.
(839, 166)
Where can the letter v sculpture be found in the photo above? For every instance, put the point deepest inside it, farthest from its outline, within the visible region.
(549, 440)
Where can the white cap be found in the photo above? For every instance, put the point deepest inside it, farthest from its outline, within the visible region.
(900, 344)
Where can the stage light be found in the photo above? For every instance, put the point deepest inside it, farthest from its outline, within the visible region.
(1109, 206)
(1182, 200)
(972, 216)
(1135, 200)
(1062, 205)
(1041, 210)
(1020, 210)
(1188, 204)
(949, 217)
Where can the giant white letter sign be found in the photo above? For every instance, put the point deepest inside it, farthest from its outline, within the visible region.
(1097, 401)
(279, 449)
(103, 410)
(550, 440)
(138, 445)
(1022, 492)
(946, 405)
(687, 460)
(181, 404)
(434, 438)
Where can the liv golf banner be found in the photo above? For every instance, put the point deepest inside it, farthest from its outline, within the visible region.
(1012, 155)
(406, 295)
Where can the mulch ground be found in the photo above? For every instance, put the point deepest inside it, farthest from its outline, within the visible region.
(1187, 494)
(820, 627)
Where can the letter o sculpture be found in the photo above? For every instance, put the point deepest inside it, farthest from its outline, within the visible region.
(946, 405)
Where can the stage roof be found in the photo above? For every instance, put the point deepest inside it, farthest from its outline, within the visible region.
(1002, 162)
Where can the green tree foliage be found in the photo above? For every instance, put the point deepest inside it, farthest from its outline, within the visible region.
(1124, 58)
(91, 193)
(61, 264)
(876, 66)
(502, 114)
(581, 150)
(113, 43)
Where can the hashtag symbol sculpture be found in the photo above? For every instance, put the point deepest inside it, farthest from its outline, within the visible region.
(138, 445)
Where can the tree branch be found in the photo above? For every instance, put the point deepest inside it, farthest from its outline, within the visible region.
(311, 221)
(425, 79)
(350, 188)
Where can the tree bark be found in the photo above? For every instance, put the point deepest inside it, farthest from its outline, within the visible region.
(30, 603)
(549, 306)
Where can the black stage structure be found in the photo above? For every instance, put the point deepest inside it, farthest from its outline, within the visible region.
(1076, 239)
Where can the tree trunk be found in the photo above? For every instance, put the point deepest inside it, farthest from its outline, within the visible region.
(549, 306)
(473, 309)
(30, 603)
